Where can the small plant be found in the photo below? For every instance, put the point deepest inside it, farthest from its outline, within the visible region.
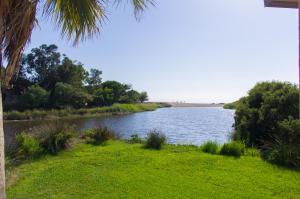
(210, 147)
(155, 140)
(99, 135)
(29, 147)
(235, 149)
(54, 137)
(135, 139)
(254, 152)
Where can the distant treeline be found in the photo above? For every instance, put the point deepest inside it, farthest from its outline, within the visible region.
(49, 79)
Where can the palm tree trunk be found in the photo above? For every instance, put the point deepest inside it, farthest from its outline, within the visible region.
(2, 158)
(2, 148)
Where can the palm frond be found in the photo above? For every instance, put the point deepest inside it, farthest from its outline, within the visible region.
(4, 5)
(78, 19)
(18, 25)
(139, 5)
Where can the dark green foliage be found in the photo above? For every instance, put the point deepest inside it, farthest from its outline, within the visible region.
(118, 89)
(210, 147)
(71, 72)
(46, 67)
(135, 139)
(65, 95)
(99, 135)
(41, 63)
(54, 137)
(268, 119)
(103, 97)
(267, 104)
(235, 149)
(131, 96)
(35, 97)
(67, 81)
(155, 140)
(283, 147)
(143, 97)
(94, 79)
(28, 146)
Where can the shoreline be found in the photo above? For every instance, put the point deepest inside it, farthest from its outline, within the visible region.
(115, 109)
(200, 105)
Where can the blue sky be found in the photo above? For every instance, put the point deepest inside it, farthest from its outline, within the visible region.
(193, 50)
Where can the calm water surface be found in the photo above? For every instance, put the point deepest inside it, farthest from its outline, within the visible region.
(180, 125)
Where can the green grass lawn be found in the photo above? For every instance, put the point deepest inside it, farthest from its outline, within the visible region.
(121, 170)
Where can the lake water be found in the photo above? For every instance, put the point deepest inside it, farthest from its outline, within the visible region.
(180, 125)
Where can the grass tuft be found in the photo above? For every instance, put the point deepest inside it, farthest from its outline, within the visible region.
(235, 149)
(210, 147)
(135, 139)
(99, 135)
(155, 140)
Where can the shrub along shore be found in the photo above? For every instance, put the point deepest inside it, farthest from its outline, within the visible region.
(267, 119)
(115, 109)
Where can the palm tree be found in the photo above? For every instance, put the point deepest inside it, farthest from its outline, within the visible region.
(77, 19)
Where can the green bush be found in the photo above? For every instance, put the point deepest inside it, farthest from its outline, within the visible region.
(284, 146)
(35, 97)
(155, 140)
(267, 104)
(143, 97)
(28, 146)
(135, 139)
(103, 97)
(210, 147)
(65, 95)
(54, 137)
(235, 149)
(99, 135)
